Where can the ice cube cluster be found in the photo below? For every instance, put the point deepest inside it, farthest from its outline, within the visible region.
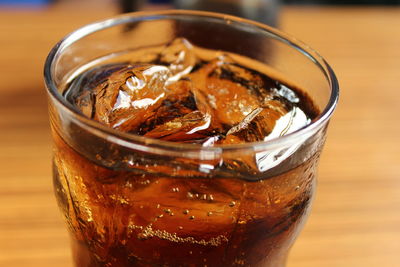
(175, 95)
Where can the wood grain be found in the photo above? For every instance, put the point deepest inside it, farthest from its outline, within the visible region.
(356, 215)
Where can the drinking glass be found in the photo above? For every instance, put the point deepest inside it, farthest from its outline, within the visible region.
(129, 200)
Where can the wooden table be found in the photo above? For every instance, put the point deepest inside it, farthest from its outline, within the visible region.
(356, 215)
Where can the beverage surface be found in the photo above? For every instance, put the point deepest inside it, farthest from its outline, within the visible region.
(185, 94)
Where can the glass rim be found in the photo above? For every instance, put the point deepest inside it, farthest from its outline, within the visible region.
(147, 144)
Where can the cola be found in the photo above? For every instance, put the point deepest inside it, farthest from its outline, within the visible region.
(126, 207)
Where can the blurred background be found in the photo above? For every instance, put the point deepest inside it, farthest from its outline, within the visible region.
(355, 219)
(297, 2)
(265, 11)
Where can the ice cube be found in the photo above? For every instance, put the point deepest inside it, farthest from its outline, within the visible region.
(126, 97)
(80, 92)
(227, 101)
(187, 127)
(290, 122)
(288, 94)
(179, 57)
(258, 124)
(228, 91)
(177, 115)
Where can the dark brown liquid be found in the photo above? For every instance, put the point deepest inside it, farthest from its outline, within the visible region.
(133, 209)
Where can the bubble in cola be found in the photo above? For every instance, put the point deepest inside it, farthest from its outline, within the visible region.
(145, 211)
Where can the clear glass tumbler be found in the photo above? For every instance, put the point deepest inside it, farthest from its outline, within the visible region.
(129, 200)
